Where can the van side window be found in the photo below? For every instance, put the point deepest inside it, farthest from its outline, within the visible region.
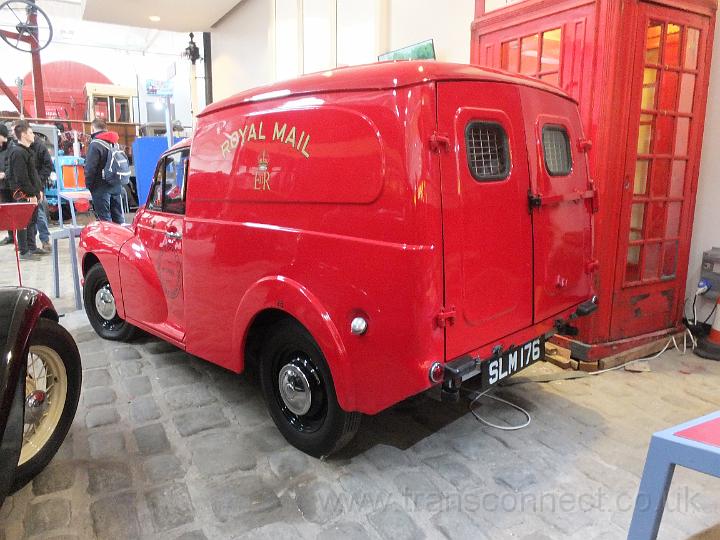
(168, 190)
(155, 198)
(487, 151)
(556, 149)
(174, 189)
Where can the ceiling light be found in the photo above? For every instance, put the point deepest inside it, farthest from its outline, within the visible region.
(154, 18)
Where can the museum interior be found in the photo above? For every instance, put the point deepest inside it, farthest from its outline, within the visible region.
(344, 269)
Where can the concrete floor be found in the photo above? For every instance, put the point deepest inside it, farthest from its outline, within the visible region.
(167, 446)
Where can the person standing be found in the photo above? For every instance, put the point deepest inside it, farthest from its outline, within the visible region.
(5, 192)
(44, 166)
(26, 187)
(106, 197)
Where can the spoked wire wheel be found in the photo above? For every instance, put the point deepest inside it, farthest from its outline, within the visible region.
(25, 26)
(53, 378)
(45, 395)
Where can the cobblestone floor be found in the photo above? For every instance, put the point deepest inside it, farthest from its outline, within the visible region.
(167, 446)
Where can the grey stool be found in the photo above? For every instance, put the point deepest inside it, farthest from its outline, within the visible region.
(71, 233)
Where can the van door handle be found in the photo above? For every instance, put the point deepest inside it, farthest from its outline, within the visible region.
(173, 234)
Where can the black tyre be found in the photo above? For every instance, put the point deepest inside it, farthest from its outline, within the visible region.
(53, 378)
(300, 394)
(100, 307)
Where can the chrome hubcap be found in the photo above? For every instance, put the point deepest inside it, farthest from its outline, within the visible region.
(105, 303)
(35, 406)
(295, 389)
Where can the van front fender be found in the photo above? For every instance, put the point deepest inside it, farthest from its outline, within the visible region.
(287, 295)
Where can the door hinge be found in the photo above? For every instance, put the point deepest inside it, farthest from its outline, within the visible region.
(439, 142)
(534, 200)
(446, 317)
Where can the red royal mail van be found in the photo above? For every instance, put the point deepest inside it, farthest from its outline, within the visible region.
(359, 236)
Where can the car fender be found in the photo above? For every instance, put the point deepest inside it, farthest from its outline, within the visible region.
(285, 294)
(20, 309)
(104, 241)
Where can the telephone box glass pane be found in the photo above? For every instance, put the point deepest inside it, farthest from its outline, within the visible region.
(691, 48)
(677, 179)
(673, 37)
(670, 257)
(656, 224)
(664, 131)
(668, 91)
(510, 55)
(649, 88)
(673, 220)
(660, 178)
(651, 261)
(529, 55)
(652, 45)
(550, 60)
(687, 93)
(641, 175)
(637, 218)
(681, 136)
(645, 135)
(632, 272)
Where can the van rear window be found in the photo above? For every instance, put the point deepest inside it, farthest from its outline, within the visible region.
(556, 147)
(487, 151)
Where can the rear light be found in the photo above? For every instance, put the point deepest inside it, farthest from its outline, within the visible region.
(436, 372)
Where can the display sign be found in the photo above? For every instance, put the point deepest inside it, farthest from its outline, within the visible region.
(425, 50)
(155, 87)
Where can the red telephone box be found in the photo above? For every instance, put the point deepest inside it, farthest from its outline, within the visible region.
(640, 72)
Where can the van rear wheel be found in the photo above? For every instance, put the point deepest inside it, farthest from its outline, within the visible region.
(300, 394)
(100, 307)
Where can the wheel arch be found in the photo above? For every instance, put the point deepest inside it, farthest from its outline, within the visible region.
(275, 298)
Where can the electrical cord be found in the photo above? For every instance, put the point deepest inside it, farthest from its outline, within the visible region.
(476, 396)
(501, 400)
(711, 314)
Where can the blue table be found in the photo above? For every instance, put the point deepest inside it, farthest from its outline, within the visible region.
(695, 445)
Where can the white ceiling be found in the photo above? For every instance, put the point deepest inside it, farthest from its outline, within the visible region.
(175, 15)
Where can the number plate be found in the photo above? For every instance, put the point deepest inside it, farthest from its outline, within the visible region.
(516, 359)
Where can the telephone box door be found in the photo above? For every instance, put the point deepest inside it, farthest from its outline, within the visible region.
(661, 169)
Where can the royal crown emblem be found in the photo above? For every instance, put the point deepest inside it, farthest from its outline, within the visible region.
(263, 161)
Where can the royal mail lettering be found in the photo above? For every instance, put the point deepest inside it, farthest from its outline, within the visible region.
(282, 133)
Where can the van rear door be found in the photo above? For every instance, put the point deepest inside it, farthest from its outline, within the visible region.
(562, 200)
(487, 228)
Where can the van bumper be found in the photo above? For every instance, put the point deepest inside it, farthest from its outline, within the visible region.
(470, 365)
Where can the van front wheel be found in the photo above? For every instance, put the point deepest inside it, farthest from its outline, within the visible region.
(100, 307)
(300, 394)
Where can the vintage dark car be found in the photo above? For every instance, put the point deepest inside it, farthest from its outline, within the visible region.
(40, 379)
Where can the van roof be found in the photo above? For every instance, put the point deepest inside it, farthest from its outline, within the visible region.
(378, 76)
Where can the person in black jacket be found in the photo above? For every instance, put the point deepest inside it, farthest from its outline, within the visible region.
(44, 166)
(106, 197)
(5, 193)
(26, 186)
